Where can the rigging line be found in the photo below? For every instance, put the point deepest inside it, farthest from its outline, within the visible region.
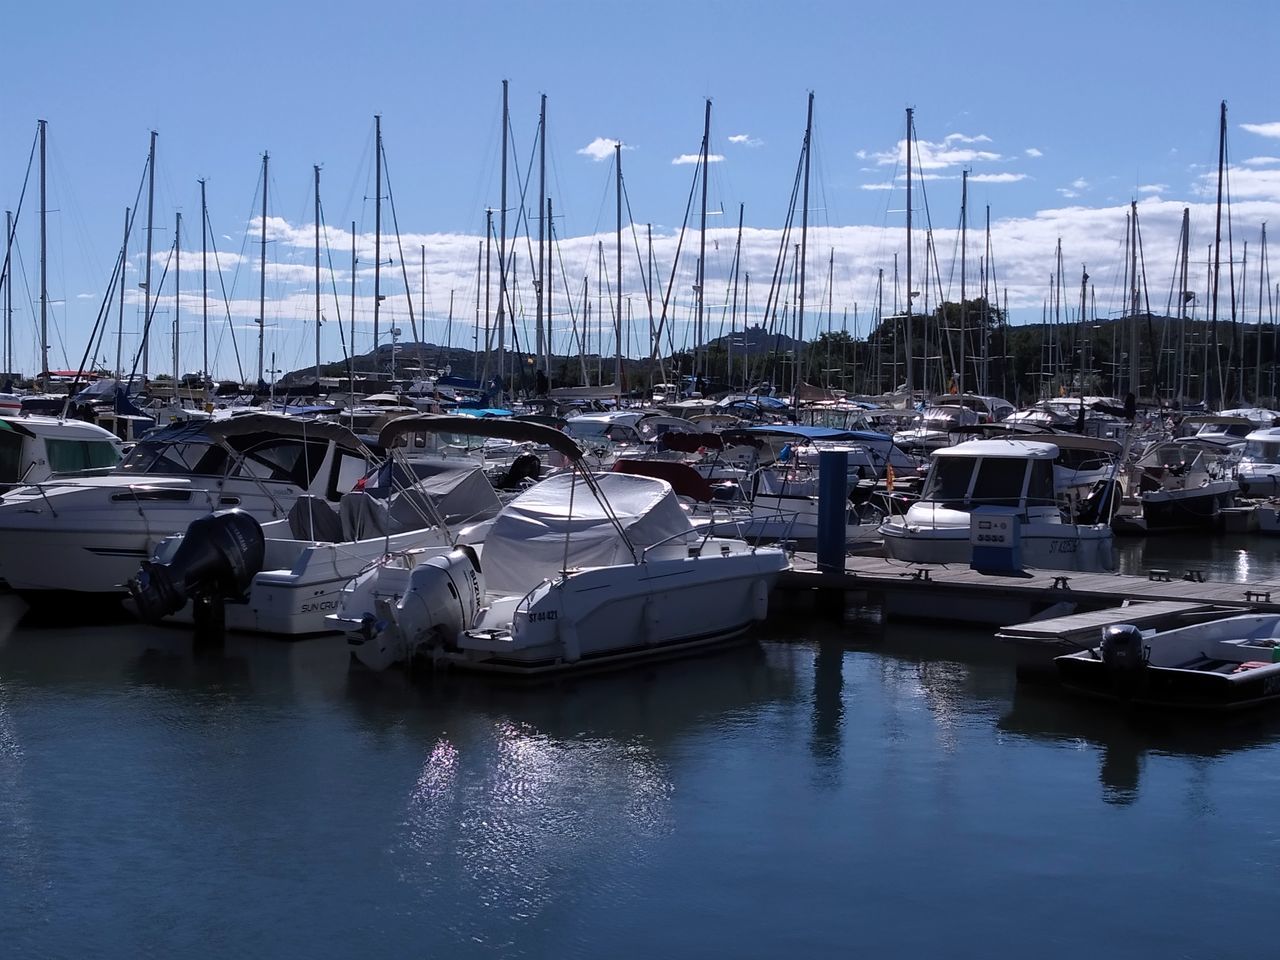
(137, 357)
(17, 214)
(99, 325)
(404, 270)
(666, 297)
(770, 315)
(226, 301)
(333, 283)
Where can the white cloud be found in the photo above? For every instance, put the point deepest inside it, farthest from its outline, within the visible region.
(938, 156)
(1069, 194)
(601, 148)
(878, 186)
(1260, 161)
(1262, 129)
(1079, 183)
(1153, 188)
(85, 296)
(697, 158)
(997, 177)
(961, 138)
(1033, 152)
(745, 139)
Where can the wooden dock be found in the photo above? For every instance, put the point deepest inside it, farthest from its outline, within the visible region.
(939, 592)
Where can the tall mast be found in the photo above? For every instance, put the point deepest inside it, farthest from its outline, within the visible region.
(351, 353)
(986, 307)
(550, 286)
(177, 302)
(804, 235)
(617, 358)
(475, 340)
(543, 353)
(124, 259)
(8, 290)
(702, 242)
(502, 253)
(964, 237)
(316, 168)
(488, 261)
(262, 269)
(1217, 250)
(1262, 270)
(911, 383)
(1135, 380)
(377, 235)
(204, 278)
(146, 279)
(733, 319)
(44, 272)
(1183, 297)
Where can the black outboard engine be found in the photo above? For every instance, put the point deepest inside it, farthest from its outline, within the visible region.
(1123, 654)
(527, 466)
(218, 558)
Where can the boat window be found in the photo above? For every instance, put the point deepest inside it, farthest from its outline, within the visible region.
(10, 457)
(196, 457)
(71, 456)
(1040, 487)
(999, 481)
(948, 479)
(284, 459)
(1263, 451)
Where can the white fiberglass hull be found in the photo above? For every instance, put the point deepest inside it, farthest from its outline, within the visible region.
(1048, 546)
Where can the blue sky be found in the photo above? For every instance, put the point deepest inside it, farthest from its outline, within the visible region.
(1062, 112)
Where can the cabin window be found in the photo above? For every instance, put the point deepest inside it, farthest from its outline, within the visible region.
(70, 456)
(199, 457)
(1040, 487)
(949, 479)
(1266, 451)
(10, 457)
(999, 481)
(285, 460)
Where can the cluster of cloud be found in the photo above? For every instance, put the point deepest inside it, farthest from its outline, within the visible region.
(941, 160)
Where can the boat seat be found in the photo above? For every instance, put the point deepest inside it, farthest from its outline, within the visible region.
(313, 518)
(363, 516)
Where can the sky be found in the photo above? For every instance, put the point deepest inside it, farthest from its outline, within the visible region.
(1063, 114)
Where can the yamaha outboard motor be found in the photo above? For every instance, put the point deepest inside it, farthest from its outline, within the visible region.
(217, 559)
(1123, 654)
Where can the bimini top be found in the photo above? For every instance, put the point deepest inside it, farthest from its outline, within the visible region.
(1024, 449)
(813, 433)
(1266, 435)
(521, 431)
(303, 428)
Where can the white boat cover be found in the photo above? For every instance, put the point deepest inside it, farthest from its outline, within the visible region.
(527, 542)
(460, 495)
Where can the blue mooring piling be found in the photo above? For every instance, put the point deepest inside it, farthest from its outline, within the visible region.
(833, 509)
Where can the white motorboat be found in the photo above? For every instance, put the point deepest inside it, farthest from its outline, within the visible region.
(934, 427)
(35, 448)
(1185, 484)
(1258, 471)
(579, 570)
(310, 556)
(88, 534)
(1010, 473)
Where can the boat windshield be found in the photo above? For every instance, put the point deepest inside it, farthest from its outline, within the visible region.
(199, 457)
(1263, 451)
(72, 456)
(264, 456)
(948, 479)
(999, 481)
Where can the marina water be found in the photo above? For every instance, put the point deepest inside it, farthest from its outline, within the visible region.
(832, 788)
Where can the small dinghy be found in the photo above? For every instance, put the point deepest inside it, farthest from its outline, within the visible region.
(1222, 665)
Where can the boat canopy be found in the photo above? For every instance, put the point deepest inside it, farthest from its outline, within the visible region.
(304, 428)
(1024, 449)
(520, 431)
(553, 525)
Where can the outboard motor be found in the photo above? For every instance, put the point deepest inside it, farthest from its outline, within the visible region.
(217, 559)
(442, 598)
(527, 466)
(1123, 655)
(1101, 503)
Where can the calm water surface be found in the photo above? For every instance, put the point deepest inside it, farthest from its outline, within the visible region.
(831, 790)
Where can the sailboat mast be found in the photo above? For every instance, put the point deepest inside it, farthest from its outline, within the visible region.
(377, 235)
(119, 320)
(1135, 381)
(8, 290)
(733, 318)
(617, 359)
(543, 352)
(204, 278)
(262, 269)
(44, 272)
(1183, 297)
(702, 243)
(964, 244)
(911, 382)
(146, 279)
(177, 303)
(1262, 279)
(1217, 251)
(502, 252)
(804, 240)
(488, 265)
(550, 287)
(351, 353)
(316, 169)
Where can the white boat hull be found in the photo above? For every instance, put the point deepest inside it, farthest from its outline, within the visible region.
(1085, 549)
